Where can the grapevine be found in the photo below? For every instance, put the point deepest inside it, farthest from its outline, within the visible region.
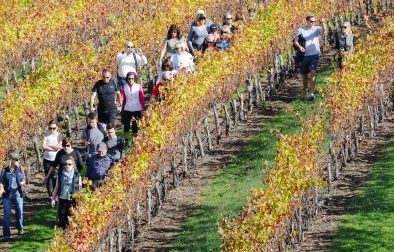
(164, 124)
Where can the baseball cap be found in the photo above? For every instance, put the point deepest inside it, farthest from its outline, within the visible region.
(101, 146)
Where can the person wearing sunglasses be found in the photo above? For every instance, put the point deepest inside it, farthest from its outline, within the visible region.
(106, 91)
(182, 59)
(12, 180)
(133, 103)
(311, 34)
(68, 183)
(344, 42)
(228, 21)
(224, 43)
(198, 33)
(158, 93)
(51, 144)
(209, 44)
(60, 160)
(128, 61)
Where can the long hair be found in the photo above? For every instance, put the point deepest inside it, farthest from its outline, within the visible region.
(174, 28)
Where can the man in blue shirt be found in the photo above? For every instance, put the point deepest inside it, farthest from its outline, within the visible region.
(12, 178)
(310, 33)
(98, 165)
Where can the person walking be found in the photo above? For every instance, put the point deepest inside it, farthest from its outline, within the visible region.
(93, 134)
(51, 144)
(310, 33)
(133, 103)
(12, 180)
(344, 42)
(128, 61)
(98, 166)
(106, 91)
(115, 144)
(68, 183)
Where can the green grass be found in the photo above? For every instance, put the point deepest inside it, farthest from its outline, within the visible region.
(368, 224)
(38, 230)
(230, 189)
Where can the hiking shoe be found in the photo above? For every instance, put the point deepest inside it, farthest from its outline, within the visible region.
(312, 97)
(5, 239)
(21, 232)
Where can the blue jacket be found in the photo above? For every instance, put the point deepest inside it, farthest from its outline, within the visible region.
(98, 166)
(6, 179)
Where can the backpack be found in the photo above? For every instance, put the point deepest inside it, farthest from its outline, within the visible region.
(299, 55)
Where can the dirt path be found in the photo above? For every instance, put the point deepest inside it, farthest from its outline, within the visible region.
(322, 229)
(166, 226)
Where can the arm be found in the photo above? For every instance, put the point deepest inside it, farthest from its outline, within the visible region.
(92, 99)
(142, 98)
(1, 182)
(79, 183)
(119, 97)
(53, 202)
(297, 44)
(78, 161)
(47, 147)
(163, 52)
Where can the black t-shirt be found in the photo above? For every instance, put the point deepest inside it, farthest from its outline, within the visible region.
(106, 95)
(61, 157)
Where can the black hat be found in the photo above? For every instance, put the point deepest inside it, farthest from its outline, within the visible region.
(213, 28)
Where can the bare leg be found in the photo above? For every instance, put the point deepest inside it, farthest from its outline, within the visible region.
(312, 78)
(305, 83)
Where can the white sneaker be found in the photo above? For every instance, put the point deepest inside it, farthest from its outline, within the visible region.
(312, 97)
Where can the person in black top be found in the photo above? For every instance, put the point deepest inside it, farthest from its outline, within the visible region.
(106, 90)
(62, 156)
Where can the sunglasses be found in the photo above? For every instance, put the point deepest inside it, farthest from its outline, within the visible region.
(52, 128)
(67, 145)
(210, 42)
(344, 27)
(15, 159)
(229, 18)
(129, 47)
(312, 21)
(69, 164)
(177, 48)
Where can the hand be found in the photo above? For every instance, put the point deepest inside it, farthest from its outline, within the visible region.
(53, 201)
(119, 109)
(302, 49)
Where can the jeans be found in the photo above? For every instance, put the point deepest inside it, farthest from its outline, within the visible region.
(9, 200)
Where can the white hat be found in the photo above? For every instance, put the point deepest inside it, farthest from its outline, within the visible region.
(200, 12)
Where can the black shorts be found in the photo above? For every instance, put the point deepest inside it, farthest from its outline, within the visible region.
(107, 117)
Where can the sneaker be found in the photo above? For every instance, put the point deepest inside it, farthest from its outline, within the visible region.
(21, 232)
(306, 97)
(312, 97)
(5, 239)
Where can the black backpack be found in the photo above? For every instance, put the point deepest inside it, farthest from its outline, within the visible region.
(299, 55)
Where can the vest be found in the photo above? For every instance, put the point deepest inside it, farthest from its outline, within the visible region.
(345, 42)
(74, 185)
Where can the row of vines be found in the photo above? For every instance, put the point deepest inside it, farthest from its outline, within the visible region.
(67, 77)
(358, 94)
(217, 76)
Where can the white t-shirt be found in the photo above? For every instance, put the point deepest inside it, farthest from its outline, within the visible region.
(126, 63)
(184, 60)
(311, 36)
(51, 139)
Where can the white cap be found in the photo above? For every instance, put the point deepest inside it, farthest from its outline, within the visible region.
(200, 12)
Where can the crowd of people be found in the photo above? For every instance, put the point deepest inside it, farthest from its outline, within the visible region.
(63, 163)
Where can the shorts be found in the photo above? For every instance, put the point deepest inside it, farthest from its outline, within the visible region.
(309, 63)
(107, 118)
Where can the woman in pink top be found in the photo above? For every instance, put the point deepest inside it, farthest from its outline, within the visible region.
(132, 105)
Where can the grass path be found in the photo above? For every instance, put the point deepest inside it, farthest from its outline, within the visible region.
(229, 190)
(368, 224)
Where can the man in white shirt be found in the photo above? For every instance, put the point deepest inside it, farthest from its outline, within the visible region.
(310, 33)
(128, 61)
